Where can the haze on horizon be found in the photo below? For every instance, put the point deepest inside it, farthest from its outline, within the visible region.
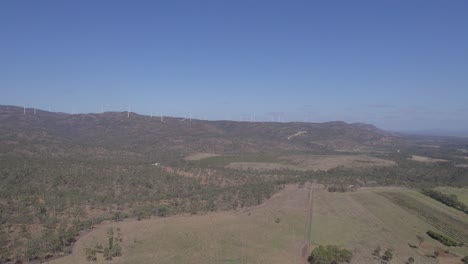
(401, 65)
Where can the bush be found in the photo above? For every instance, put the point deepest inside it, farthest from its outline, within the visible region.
(329, 255)
(443, 239)
(388, 255)
(449, 200)
(91, 254)
(465, 260)
(377, 251)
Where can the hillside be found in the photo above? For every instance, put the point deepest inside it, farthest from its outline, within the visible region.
(62, 174)
(142, 135)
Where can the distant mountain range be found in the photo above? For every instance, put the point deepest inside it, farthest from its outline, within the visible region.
(436, 132)
(138, 134)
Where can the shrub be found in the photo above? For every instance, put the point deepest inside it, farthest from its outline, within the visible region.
(443, 239)
(90, 254)
(388, 255)
(377, 251)
(449, 200)
(465, 260)
(329, 255)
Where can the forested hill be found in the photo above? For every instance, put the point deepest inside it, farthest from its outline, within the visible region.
(148, 135)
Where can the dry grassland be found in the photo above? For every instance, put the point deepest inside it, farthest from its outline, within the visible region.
(364, 219)
(314, 162)
(274, 232)
(200, 156)
(248, 236)
(326, 162)
(426, 159)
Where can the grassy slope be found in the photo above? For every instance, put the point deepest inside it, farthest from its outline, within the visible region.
(234, 237)
(364, 219)
(461, 193)
(359, 221)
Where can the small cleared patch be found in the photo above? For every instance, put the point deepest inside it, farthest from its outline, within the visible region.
(426, 159)
(327, 162)
(200, 156)
(261, 166)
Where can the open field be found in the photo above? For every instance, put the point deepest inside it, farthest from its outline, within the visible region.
(426, 159)
(313, 162)
(364, 219)
(461, 193)
(249, 236)
(274, 232)
(262, 166)
(225, 160)
(326, 162)
(291, 161)
(200, 156)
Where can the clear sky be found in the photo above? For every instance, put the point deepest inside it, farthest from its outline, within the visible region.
(401, 65)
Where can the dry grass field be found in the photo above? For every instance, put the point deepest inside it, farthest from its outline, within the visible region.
(362, 220)
(314, 162)
(326, 162)
(262, 166)
(249, 236)
(274, 232)
(426, 159)
(200, 156)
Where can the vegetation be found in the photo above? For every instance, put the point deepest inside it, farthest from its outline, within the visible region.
(377, 251)
(465, 259)
(456, 228)
(329, 255)
(387, 255)
(443, 239)
(62, 174)
(449, 200)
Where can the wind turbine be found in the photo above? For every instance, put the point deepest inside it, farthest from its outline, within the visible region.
(24, 109)
(128, 111)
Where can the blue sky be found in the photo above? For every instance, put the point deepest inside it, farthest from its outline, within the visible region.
(401, 65)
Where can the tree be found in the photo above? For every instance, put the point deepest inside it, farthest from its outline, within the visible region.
(377, 251)
(329, 255)
(388, 255)
(410, 260)
(91, 254)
